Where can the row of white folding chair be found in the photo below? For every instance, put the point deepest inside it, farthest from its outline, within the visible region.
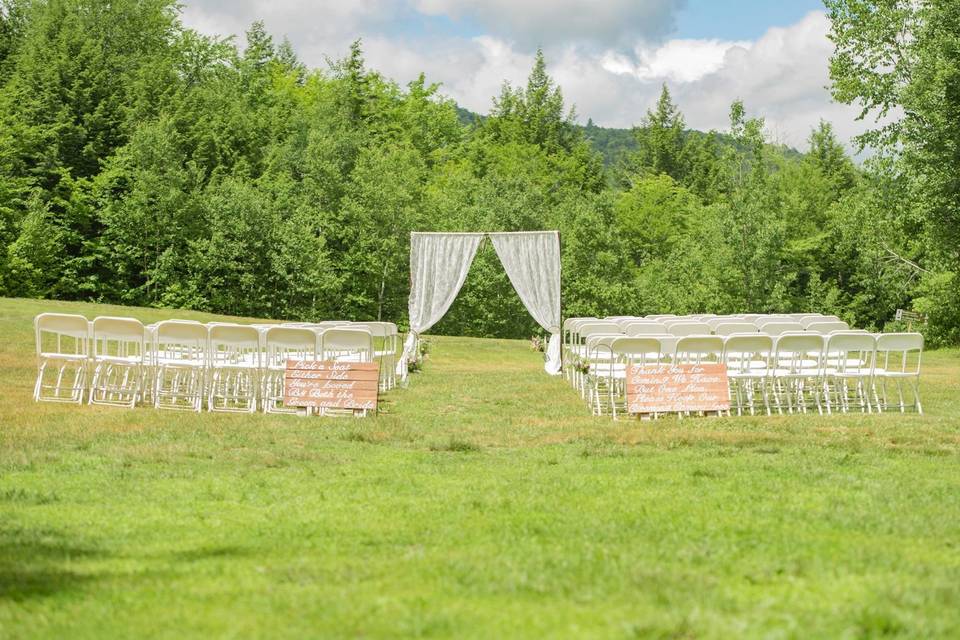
(577, 330)
(386, 342)
(790, 372)
(120, 361)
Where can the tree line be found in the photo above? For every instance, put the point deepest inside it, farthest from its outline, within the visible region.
(144, 163)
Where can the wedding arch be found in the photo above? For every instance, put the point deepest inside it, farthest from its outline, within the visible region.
(439, 263)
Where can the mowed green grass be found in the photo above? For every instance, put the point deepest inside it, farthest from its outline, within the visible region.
(483, 502)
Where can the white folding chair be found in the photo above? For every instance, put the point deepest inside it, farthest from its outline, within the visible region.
(572, 345)
(279, 345)
(598, 370)
(578, 347)
(747, 356)
(797, 372)
(626, 352)
(118, 361)
(384, 348)
(897, 360)
(63, 354)
(698, 349)
(234, 361)
(347, 345)
(848, 371)
(179, 362)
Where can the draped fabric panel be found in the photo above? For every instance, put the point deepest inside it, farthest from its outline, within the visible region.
(439, 263)
(532, 262)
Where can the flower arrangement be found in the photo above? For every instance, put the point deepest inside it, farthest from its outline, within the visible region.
(581, 366)
(538, 344)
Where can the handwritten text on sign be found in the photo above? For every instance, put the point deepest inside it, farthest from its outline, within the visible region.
(682, 387)
(331, 384)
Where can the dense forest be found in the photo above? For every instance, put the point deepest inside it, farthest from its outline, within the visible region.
(144, 163)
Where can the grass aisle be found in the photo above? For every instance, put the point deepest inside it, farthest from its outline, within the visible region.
(483, 502)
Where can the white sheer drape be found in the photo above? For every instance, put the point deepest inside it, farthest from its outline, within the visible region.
(532, 262)
(439, 263)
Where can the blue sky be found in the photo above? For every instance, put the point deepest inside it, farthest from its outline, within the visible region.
(739, 19)
(610, 58)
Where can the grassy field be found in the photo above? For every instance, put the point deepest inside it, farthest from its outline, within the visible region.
(483, 502)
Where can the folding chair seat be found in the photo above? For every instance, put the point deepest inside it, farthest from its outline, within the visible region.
(730, 328)
(63, 354)
(234, 361)
(848, 370)
(897, 361)
(747, 356)
(826, 328)
(279, 345)
(118, 361)
(179, 363)
(797, 372)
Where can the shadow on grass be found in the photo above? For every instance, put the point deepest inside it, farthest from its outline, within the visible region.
(31, 563)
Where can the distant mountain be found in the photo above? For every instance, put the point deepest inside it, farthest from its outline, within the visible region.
(613, 143)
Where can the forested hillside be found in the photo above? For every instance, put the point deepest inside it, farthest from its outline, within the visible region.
(144, 163)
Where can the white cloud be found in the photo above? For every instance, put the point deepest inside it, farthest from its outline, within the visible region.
(675, 60)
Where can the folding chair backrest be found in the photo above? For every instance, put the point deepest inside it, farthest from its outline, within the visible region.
(120, 337)
(824, 328)
(840, 344)
(742, 350)
(770, 319)
(719, 320)
(730, 328)
(234, 344)
(901, 345)
(62, 333)
(376, 329)
(688, 329)
(340, 343)
(597, 326)
(643, 328)
(639, 351)
(283, 343)
(799, 350)
(779, 328)
(183, 340)
(696, 349)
